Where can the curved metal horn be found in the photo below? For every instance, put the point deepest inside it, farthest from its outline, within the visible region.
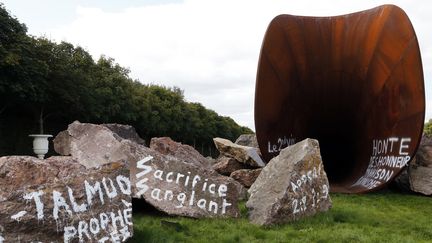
(354, 82)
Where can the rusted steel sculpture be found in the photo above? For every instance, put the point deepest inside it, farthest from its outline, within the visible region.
(354, 82)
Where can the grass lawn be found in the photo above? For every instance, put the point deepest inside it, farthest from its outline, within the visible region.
(378, 217)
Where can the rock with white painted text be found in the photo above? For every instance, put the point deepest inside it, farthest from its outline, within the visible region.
(60, 200)
(179, 188)
(292, 186)
(174, 181)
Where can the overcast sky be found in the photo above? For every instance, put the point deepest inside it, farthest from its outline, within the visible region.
(207, 48)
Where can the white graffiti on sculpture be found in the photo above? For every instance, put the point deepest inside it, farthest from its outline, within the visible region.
(280, 144)
(387, 154)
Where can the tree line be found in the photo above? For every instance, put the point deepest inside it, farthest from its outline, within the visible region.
(428, 128)
(47, 85)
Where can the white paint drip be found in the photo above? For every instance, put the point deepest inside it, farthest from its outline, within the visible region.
(18, 216)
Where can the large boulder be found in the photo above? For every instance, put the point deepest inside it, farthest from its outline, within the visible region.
(92, 145)
(420, 179)
(60, 200)
(62, 143)
(180, 188)
(292, 186)
(243, 154)
(172, 185)
(424, 152)
(246, 177)
(417, 176)
(226, 165)
(184, 152)
(249, 140)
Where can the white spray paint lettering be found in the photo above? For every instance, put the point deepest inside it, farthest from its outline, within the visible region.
(77, 208)
(280, 144)
(145, 170)
(91, 190)
(36, 196)
(195, 182)
(388, 155)
(115, 225)
(301, 203)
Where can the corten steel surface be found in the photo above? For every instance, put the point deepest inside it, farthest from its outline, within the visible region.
(354, 82)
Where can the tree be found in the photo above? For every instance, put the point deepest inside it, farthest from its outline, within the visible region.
(41, 79)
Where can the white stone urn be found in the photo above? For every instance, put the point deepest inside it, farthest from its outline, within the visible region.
(40, 144)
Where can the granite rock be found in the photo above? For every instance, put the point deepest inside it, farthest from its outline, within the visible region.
(177, 186)
(125, 132)
(249, 140)
(417, 176)
(90, 144)
(243, 154)
(60, 200)
(183, 152)
(226, 165)
(292, 186)
(62, 143)
(246, 177)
